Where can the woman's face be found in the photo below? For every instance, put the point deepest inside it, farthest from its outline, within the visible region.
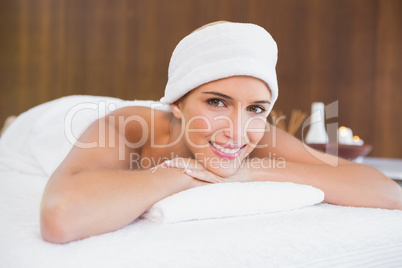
(224, 121)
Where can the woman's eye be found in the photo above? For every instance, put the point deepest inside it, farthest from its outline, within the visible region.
(216, 102)
(256, 109)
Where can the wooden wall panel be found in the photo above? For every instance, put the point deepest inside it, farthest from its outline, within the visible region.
(326, 54)
(386, 120)
(345, 50)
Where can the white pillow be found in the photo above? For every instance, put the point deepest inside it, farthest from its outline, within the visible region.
(220, 200)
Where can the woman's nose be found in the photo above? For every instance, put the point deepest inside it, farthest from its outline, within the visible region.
(235, 129)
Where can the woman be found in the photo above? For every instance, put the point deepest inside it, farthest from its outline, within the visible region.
(222, 86)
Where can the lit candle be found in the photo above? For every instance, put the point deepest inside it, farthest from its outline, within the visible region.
(357, 140)
(345, 135)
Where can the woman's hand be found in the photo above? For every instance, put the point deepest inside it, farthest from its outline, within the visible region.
(197, 171)
(193, 169)
(184, 164)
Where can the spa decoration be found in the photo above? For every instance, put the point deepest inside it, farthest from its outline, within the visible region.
(345, 136)
(296, 119)
(317, 132)
(347, 146)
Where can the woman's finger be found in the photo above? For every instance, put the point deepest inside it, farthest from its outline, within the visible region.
(185, 163)
(203, 175)
(193, 168)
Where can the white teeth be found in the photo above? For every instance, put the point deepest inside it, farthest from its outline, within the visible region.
(225, 150)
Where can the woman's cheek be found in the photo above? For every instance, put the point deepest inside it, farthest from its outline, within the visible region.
(198, 127)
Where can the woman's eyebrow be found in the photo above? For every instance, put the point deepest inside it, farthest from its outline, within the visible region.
(230, 98)
(218, 94)
(263, 101)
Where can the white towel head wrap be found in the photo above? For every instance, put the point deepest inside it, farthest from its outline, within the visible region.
(219, 51)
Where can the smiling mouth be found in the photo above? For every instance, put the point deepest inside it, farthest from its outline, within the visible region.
(226, 152)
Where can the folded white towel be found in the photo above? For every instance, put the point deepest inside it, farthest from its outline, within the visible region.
(222, 200)
(219, 51)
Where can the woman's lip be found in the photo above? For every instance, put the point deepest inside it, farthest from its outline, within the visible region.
(228, 146)
(226, 155)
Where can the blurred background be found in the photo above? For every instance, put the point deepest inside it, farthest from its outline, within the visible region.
(329, 50)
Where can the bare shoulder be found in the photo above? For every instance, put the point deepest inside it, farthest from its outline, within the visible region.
(136, 122)
(130, 121)
(279, 143)
(111, 140)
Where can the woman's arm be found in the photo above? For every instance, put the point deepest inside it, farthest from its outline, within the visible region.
(343, 182)
(285, 159)
(92, 202)
(94, 191)
(347, 184)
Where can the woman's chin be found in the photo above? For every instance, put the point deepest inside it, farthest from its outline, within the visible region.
(223, 172)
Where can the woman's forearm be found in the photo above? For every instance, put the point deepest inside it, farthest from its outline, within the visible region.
(98, 201)
(346, 184)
